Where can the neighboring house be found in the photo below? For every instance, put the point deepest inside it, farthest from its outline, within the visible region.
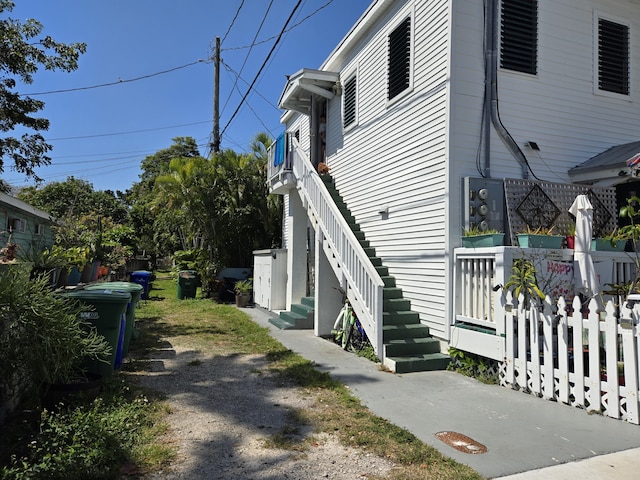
(24, 225)
(441, 115)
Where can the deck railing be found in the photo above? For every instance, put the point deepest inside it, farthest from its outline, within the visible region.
(479, 299)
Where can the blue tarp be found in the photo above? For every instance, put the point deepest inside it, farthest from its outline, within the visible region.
(278, 156)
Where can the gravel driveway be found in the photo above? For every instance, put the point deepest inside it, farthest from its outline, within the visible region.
(223, 408)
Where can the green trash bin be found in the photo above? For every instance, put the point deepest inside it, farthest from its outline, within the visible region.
(187, 284)
(135, 289)
(110, 306)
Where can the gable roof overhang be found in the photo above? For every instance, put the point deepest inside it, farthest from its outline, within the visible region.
(608, 168)
(18, 204)
(302, 85)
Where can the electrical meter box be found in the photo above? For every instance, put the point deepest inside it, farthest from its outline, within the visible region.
(483, 204)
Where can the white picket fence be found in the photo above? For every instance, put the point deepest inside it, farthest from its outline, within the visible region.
(586, 361)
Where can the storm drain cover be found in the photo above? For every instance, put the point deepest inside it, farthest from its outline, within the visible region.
(461, 442)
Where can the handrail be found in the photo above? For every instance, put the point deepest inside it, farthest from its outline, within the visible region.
(366, 286)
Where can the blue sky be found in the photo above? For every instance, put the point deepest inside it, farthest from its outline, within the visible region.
(102, 134)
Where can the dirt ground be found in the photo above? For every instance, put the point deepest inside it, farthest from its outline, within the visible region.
(224, 408)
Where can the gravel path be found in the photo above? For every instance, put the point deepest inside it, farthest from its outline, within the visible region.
(225, 407)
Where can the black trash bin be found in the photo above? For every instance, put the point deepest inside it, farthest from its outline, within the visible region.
(187, 284)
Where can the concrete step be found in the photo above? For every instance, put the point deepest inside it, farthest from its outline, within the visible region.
(370, 251)
(418, 363)
(400, 318)
(304, 310)
(411, 346)
(281, 323)
(308, 301)
(403, 332)
(298, 322)
(388, 280)
(376, 261)
(396, 304)
(382, 271)
(391, 292)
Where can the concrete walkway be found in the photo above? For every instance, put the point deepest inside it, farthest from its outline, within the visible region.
(526, 437)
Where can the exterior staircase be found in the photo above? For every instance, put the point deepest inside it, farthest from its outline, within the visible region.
(408, 346)
(300, 317)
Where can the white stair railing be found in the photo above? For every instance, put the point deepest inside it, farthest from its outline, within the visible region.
(351, 261)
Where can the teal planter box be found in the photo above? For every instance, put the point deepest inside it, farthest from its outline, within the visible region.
(488, 240)
(526, 240)
(605, 245)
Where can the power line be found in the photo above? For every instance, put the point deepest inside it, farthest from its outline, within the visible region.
(286, 31)
(231, 70)
(118, 82)
(263, 65)
(235, 83)
(126, 133)
(232, 22)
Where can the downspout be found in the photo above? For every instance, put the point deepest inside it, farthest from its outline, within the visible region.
(491, 100)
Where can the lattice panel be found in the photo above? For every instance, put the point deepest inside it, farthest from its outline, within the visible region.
(561, 195)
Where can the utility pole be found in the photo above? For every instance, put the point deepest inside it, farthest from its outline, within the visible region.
(215, 145)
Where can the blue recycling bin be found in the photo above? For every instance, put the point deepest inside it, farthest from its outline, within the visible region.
(142, 277)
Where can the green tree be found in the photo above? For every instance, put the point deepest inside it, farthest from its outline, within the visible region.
(221, 206)
(153, 226)
(24, 50)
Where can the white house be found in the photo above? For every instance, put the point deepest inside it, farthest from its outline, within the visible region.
(440, 115)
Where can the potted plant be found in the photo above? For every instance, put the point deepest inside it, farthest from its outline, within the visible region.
(541, 237)
(475, 237)
(612, 242)
(242, 289)
(43, 339)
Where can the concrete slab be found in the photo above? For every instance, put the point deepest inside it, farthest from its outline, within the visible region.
(522, 433)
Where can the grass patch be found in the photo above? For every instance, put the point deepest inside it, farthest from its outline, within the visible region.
(224, 329)
(91, 440)
(125, 427)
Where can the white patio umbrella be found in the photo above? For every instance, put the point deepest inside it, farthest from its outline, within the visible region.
(584, 271)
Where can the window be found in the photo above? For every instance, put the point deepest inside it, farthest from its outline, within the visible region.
(16, 225)
(613, 57)
(40, 229)
(399, 59)
(519, 36)
(349, 103)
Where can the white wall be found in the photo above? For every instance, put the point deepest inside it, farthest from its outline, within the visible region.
(396, 156)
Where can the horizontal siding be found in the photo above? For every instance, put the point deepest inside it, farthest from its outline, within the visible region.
(395, 156)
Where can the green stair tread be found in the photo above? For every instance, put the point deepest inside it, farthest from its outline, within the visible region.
(301, 309)
(308, 301)
(392, 292)
(281, 323)
(399, 332)
(420, 363)
(396, 304)
(411, 346)
(400, 317)
(291, 316)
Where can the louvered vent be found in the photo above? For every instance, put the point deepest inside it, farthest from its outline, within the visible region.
(519, 36)
(399, 58)
(349, 115)
(613, 57)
